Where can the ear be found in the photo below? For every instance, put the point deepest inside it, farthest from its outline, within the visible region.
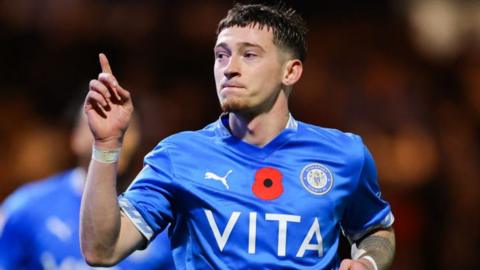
(292, 72)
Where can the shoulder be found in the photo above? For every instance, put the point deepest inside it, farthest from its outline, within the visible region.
(330, 135)
(187, 140)
(345, 146)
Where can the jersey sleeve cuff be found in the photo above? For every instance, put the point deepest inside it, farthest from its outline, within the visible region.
(132, 213)
(385, 223)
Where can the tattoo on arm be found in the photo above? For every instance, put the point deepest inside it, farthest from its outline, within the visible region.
(381, 247)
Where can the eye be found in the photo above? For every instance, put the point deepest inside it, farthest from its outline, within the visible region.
(250, 55)
(221, 55)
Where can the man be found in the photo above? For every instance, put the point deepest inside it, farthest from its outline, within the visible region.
(255, 189)
(41, 225)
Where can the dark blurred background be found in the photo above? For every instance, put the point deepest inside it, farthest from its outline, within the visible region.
(405, 75)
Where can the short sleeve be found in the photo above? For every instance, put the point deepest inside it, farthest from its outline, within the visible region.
(147, 201)
(366, 210)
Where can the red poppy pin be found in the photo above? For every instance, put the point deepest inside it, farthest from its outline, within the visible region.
(268, 183)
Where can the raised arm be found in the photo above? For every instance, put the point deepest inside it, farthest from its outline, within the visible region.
(373, 252)
(106, 235)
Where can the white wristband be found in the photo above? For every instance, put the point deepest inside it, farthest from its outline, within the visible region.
(359, 253)
(105, 156)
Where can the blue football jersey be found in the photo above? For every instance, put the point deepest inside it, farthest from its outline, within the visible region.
(233, 205)
(40, 229)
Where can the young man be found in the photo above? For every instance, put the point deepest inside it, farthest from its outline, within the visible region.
(41, 225)
(255, 189)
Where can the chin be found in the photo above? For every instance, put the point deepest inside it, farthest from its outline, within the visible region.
(233, 105)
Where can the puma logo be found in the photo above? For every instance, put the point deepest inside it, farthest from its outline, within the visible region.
(210, 175)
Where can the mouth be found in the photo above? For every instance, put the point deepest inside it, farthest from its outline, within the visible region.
(231, 85)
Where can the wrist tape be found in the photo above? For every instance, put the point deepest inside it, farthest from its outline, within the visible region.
(105, 156)
(359, 253)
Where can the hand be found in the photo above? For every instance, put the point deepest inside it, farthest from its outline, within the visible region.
(108, 108)
(361, 264)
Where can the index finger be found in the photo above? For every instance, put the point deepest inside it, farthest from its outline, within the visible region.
(104, 63)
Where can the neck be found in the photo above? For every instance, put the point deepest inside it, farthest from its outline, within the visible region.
(260, 129)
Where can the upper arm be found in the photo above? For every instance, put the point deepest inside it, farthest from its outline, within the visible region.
(130, 238)
(386, 233)
(146, 205)
(148, 200)
(366, 211)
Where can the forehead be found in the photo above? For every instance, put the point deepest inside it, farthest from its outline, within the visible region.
(236, 35)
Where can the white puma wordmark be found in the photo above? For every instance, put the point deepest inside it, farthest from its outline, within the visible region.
(210, 175)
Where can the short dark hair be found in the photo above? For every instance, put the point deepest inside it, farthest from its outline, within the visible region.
(288, 27)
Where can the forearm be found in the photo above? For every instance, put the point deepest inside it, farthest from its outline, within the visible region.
(380, 246)
(100, 214)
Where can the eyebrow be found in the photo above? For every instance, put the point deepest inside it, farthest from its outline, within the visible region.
(242, 45)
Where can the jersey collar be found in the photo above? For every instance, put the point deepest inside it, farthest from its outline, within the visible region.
(237, 144)
(224, 127)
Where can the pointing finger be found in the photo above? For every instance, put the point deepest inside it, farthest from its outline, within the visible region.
(107, 69)
(104, 63)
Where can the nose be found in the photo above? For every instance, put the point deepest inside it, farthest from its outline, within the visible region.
(233, 68)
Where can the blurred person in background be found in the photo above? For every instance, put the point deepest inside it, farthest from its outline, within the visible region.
(39, 222)
(223, 188)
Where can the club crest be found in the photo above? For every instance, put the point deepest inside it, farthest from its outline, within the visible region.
(316, 178)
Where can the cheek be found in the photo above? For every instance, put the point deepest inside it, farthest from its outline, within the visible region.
(218, 69)
(264, 85)
(218, 75)
(268, 75)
